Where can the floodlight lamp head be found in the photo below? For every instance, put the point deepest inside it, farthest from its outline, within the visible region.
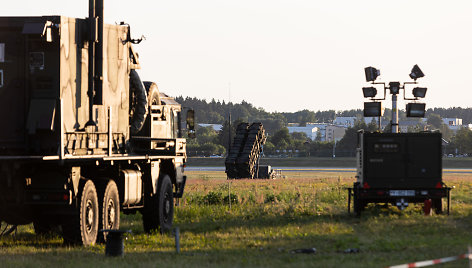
(419, 92)
(371, 74)
(369, 92)
(415, 109)
(394, 87)
(416, 72)
(372, 109)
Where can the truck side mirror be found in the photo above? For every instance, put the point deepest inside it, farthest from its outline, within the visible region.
(191, 123)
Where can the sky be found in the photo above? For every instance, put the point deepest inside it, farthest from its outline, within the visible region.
(289, 55)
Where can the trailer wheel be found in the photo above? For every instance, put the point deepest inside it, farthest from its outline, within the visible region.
(110, 209)
(83, 226)
(437, 205)
(159, 210)
(358, 204)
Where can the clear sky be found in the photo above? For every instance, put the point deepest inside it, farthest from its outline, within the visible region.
(289, 55)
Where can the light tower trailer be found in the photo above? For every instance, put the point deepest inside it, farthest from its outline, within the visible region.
(399, 168)
(82, 137)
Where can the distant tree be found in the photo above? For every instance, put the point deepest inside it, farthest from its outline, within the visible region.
(299, 136)
(435, 121)
(269, 148)
(461, 142)
(348, 144)
(281, 139)
(205, 135)
(318, 136)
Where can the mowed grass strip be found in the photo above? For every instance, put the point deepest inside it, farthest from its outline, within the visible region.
(267, 220)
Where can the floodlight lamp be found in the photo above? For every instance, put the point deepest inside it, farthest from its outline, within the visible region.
(415, 109)
(369, 92)
(416, 72)
(371, 74)
(372, 109)
(419, 92)
(394, 87)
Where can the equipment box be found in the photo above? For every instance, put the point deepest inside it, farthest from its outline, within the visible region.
(399, 168)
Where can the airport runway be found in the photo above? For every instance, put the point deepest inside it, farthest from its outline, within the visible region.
(316, 169)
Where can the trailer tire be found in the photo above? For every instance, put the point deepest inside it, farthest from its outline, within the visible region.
(82, 227)
(358, 204)
(110, 209)
(159, 210)
(437, 205)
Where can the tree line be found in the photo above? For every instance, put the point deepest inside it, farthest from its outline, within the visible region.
(281, 143)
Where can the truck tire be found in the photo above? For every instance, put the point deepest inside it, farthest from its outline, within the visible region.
(110, 209)
(139, 104)
(437, 205)
(82, 227)
(152, 93)
(159, 210)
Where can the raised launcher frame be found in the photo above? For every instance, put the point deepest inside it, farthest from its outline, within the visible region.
(243, 158)
(399, 168)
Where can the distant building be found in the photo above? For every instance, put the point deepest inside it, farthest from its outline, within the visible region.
(309, 130)
(326, 132)
(349, 121)
(345, 121)
(453, 123)
(405, 125)
(335, 133)
(216, 127)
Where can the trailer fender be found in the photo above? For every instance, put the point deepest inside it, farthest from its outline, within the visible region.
(140, 103)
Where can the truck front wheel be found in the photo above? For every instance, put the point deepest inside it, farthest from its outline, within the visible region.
(159, 209)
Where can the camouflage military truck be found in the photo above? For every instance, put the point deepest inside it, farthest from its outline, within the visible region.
(82, 137)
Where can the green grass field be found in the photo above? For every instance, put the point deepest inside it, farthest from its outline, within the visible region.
(266, 221)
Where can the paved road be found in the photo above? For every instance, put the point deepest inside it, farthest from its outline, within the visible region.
(316, 169)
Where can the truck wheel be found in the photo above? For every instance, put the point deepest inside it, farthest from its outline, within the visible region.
(110, 210)
(159, 210)
(152, 93)
(437, 205)
(83, 226)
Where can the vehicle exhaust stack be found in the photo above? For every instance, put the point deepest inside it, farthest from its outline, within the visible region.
(95, 73)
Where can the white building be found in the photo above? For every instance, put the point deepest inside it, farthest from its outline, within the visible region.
(335, 133)
(345, 121)
(327, 132)
(309, 130)
(453, 123)
(349, 121)
(216, 127)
